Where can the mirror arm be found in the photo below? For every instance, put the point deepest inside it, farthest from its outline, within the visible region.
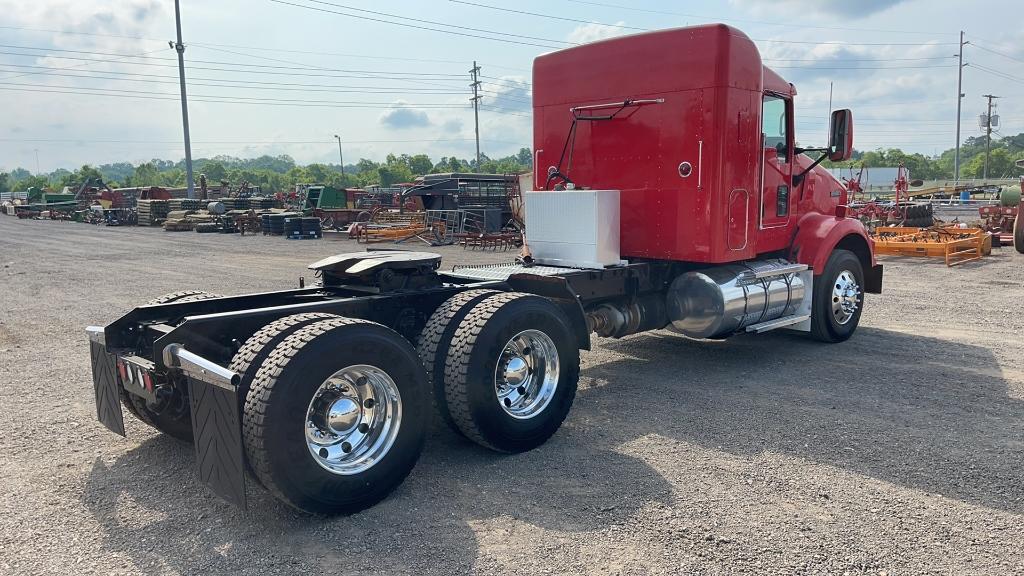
(799, 178)
(799, 150)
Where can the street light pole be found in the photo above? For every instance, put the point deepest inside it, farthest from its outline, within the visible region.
(340, 157)
(179, 47)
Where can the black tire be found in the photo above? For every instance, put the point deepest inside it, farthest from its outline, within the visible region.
(824, 324)
(470, 371)
(183, 296)
(434, 343)
(174, 421)
(207, 227)
(1018, 232)
(247, 361)
(275, 413)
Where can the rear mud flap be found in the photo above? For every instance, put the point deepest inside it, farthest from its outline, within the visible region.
(216, 427)
(107, 388)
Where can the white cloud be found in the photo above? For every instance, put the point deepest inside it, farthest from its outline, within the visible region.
(836, 8)
(402, 117)
(593, 32)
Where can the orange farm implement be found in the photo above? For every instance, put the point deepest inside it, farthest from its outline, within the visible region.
(954, 245)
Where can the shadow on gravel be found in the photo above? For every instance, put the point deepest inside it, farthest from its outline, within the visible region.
(153, 511)
(919, 412)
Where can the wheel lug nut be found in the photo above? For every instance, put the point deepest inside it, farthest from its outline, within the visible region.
(526, 351)
(368, 403)
(346, 447)
(361, 381)
(508, 402)
(364, 428)
(324, 453)
(521, 390)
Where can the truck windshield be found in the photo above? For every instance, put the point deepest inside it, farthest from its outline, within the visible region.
(773, 124)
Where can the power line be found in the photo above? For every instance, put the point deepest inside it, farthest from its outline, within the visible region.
(237, 83)
(564, 19)
(438, 75)
(265, 48)
(410, 80)
(553, 17)
(719, 19)
(420, 27)
(216, 99)
(858, 59)
(862, 67)
(254, 142)
(996, 52)
(109, 61)
(436, 23)
(236, 70)
(993, 72)
(225, 99)
(517, 83)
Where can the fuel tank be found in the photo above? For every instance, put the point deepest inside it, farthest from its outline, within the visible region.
(715, 302)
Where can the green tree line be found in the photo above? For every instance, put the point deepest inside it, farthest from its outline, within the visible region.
(1005, 152)
(272, 173)
(280, 173)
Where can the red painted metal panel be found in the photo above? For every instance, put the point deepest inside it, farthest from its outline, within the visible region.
(676, 162)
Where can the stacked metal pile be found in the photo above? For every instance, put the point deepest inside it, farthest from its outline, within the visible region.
(253, 203)
(153, 212)
(176, 204)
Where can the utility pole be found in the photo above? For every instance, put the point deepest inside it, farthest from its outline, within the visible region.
(341, 158)
(988, 132)
(959, 99)
(476, 109)
(37, 161)
(179, 47)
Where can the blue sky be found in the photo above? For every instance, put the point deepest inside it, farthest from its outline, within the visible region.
(86, 81)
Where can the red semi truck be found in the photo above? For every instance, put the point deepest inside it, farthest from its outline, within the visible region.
(671, 194)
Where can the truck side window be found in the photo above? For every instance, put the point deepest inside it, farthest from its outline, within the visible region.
(773, 124)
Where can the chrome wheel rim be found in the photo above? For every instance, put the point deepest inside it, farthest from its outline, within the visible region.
(353, 419)
(526, 375)
(845, 297)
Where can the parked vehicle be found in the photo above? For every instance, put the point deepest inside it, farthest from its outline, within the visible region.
(673, 195)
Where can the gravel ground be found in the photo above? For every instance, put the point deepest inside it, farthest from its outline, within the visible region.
(897, 452)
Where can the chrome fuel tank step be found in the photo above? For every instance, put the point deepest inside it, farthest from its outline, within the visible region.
(715, 302)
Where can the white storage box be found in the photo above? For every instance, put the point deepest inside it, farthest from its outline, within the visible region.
(577, 228)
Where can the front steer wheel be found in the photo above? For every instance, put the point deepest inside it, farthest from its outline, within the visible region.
(838, 298)
(511, 374)
(336, 416)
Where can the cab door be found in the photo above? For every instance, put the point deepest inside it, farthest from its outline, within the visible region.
(777, 161)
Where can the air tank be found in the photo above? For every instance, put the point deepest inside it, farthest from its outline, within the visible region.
(715, 302)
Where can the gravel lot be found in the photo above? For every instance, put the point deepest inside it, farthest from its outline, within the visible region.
(897, 452)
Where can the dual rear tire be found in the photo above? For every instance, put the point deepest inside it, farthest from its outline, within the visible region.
(334, 418)
(511, 372)
(333, 409)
